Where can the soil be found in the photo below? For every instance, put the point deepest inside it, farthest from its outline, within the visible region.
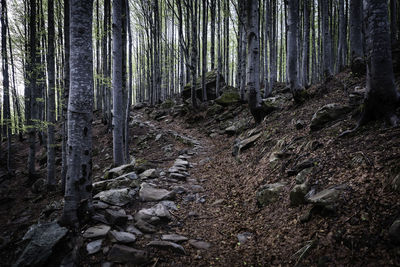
(355, 234)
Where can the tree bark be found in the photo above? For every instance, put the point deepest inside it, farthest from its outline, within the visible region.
(356, 37)
(204, 52)
(51, 119)
(212, 49)
(78, 193)
(117, 83)
(306, 44)
(326, 41)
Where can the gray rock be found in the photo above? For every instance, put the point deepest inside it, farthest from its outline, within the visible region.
(178, 176)
(118, 171)
(269, 193)
(106, 264)
(94, 246)
(132, 229)
(100, 205)
(244, 237)
(181, 163)
(298, 193)
(174, 238)
(302, 176)
(167, 245)
(150, 193)
(39, 186)
(327, 198)
(43, 238)
(148, 174)
(97, 231)
(170, 205)
(123, 254)
(116, 197)
(394, 232)
(241, 145)
(301, 166)
(199, 244)
(299, 124)
(147, 215)
(326, 114)
(145, 226)
(123, 237)
(115, 217)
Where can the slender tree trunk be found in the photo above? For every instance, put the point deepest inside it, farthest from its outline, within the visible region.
(227, 42)
(128, 105)
(394, 20)
(342, 37)
(253, 58)
(78, 192)
(212, 51)
(314, 50)
(117, 83)
(267, 10)
(293, 16)
(356, 36)
(32, 74)
(51, 119)
(194, 52)
(65, 101)
(306, 44)
(326, 41)
(6, 84)
(219, 59)
(204, 52)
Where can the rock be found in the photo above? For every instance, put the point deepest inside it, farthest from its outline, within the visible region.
(116, 217)
(170, 205)
(177, 176)
(123, 254)
(118, 171)
(98, 217)
(150, 193)
(39, 186)
(145, 218)
(138, 106)
(228, 98)
(394, 232)
(211, 81)
(214, 110)
(301, 166)
(100, 205)
(270, 104)
(241, 145)
(199, 244)
(123, 237)
(302, 176)
(237, 128)
(43, 238)
(148, 174)
(116, 197)
(327, 198)
(181, 163)
(244, 237)
(174, 238)
(116, 183)
(167, 245)
(97, 231)
(396, 183)
(167, 104)
(269, 193)
(132, 229)
(145, 226)
(299, 124)
(326, 114)
(94, 246)
(298, 193)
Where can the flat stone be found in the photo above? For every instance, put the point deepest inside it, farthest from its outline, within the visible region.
(158, 210)
(174, 238)
(145, 226)
(303, 176)
(241, 145)
(178, 176)
(100, 205)
(298, 193)
(116, 217)
(118, 171)
(166, 245)
(132, 229)
(181, 162)
(123, 237)
(124, 254)
(170, 205)
(244, 237)
(394, 232)
(327, 114)
(94, 246)
(97, 231)
(116, 197)
(150, 193)
(148, 174)
(199, 244)
(43, 238)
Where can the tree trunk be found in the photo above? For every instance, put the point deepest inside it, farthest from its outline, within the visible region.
(204, 52)
(356, 37)
(306, 44)
(342, 38)
(32, 75)
(117, 83)
(6, 84)
(219, 59)
(253, 59)
(382, 96)
(64, 166)
(78, 193)
(267, 10)
(51, 119)
(212, 51)
(194, 52)
(326, 41)
(293, 16)
(128, 104)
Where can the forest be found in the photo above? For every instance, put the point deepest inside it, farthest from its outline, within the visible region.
(200, 132)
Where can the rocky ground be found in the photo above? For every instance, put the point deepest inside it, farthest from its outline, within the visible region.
(211, 188)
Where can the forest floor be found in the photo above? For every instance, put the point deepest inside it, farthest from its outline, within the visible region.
(217, 202)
